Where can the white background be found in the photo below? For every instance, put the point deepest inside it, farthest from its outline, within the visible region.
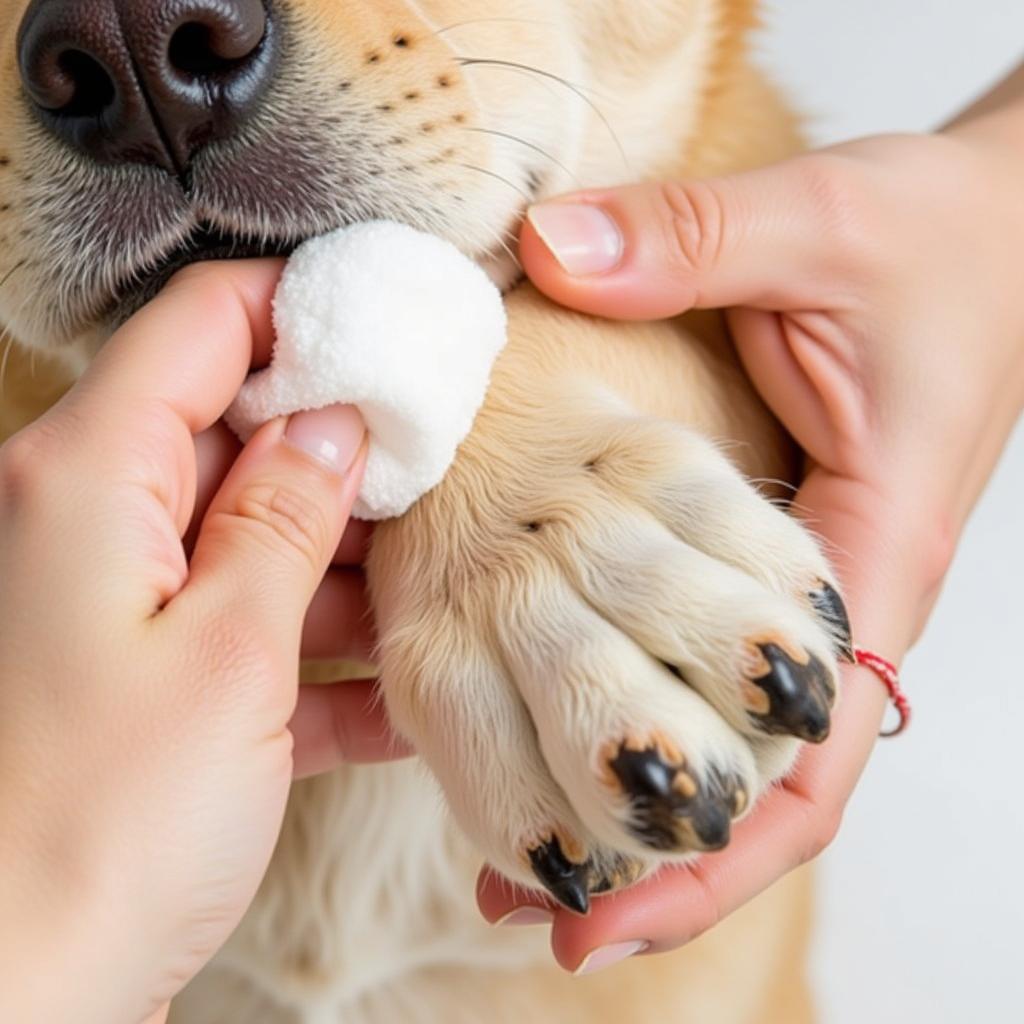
(922, 903)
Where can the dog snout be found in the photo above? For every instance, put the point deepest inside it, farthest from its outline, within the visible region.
(146, 81)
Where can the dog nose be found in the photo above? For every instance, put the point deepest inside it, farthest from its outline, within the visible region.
(146, 81)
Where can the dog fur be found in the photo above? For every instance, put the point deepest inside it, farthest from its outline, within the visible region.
(596, 524)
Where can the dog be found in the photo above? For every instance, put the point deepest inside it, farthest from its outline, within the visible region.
(603, 640)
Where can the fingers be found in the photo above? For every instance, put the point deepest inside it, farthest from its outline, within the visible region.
(339, 723)
(188, 350)
(338, 623)
(766, 239)
(355, 543)
(216, 451)
(276, 521)
(165, 376)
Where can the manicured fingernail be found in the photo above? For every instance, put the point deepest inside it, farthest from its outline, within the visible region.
(332, 436)
(609, 956)
(584, 239)
(526, 916)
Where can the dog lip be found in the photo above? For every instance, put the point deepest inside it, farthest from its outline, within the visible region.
(204, 243)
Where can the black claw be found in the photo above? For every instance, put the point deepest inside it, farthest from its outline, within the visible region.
(798, 695)
(829, 605)
(668, 815)
(569, 883)
(712, 818)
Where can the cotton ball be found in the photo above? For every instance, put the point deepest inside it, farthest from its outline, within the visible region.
(396, 322)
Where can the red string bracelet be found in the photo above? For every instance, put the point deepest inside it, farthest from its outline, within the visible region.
(890, 676)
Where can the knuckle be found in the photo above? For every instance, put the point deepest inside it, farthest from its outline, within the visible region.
(246, 652)
(194, 275)
(212, 287)
(824, 830)
(938, 551)
(694, 215)
(280, 516)
(840, 194)
(243, 658)
(26, 464)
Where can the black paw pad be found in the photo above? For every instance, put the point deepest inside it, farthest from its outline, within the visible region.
(799, 695)
(830, 608)
(672, 810)
(566, 880)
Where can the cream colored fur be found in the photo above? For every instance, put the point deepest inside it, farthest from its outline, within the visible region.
(595, 524)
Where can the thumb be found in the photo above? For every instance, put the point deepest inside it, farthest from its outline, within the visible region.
(270, 532)
(764, 239)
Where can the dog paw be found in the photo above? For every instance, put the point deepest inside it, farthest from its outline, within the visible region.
(605, 649)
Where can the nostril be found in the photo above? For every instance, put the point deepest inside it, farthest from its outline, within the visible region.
(201, 50)
(81, 86)
(191, 51)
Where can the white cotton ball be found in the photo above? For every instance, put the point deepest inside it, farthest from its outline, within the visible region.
(396, 322)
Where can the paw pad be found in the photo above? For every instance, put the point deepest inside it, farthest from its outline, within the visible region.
(789, 693)
(673, 810)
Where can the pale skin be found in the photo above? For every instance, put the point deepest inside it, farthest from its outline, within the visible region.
(141, 805)
(877, 308)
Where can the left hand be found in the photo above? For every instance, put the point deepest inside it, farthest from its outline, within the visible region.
(150, 720)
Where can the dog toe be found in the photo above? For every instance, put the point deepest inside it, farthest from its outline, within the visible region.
(790, 692)
(672, 809)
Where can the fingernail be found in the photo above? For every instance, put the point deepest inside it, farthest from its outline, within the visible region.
(526, 916)
(332, 436)
(609, 956)
(584, 239)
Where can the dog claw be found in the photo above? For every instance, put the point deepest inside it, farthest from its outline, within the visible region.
(568, 882)
(829, 606)
(798, 695)
(672, 810)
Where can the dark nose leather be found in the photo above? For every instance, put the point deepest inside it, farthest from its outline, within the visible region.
(146, 81)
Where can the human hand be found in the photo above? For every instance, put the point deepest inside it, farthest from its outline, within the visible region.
(146, 694)
(338, 722)
(877, 307)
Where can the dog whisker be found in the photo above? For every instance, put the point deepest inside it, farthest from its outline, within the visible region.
(772, 481)
(8, 338)
(10, 273)
(499, 237)
(576, 90)
(577, 87)
(494, 174)
(530, 145)
(490, 21)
